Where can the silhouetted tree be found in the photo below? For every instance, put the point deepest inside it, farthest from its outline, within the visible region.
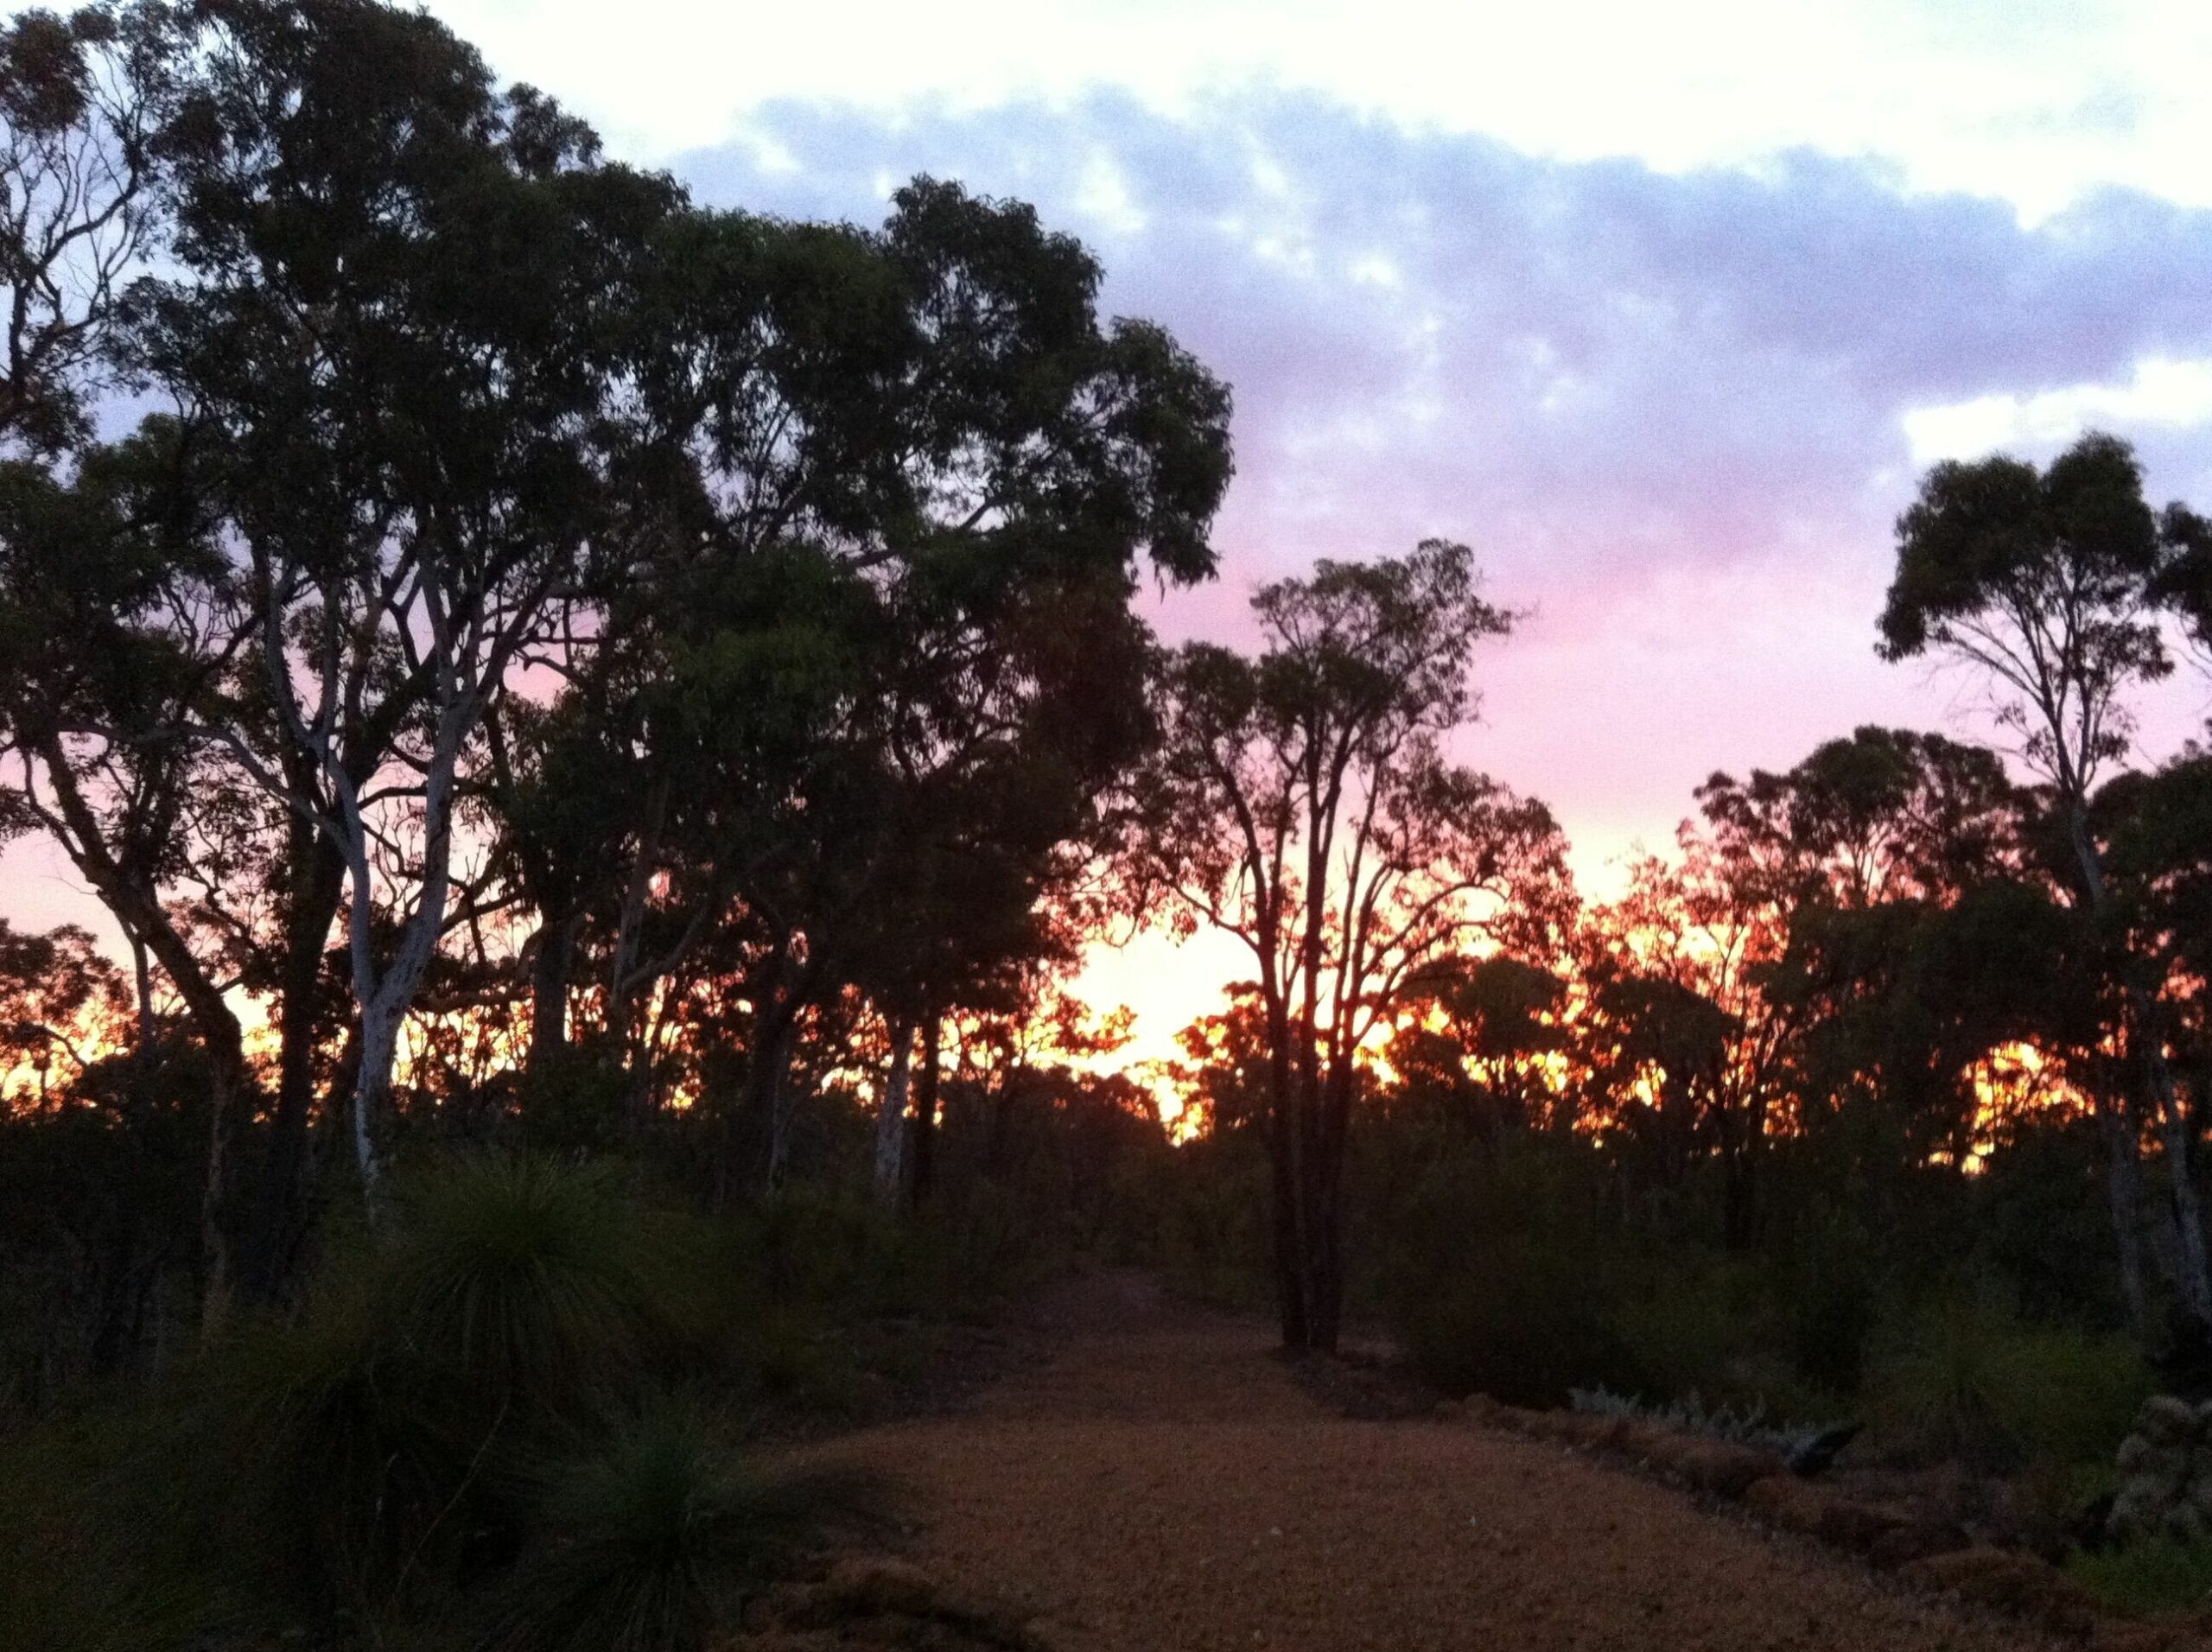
(1302, 802)
(2045, 582)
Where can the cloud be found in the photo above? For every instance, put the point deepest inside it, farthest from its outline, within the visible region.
(1677, 413)
(1592, 367)
(2037, 100)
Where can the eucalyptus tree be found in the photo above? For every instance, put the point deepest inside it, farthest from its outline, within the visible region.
(1302, 801)
(396, 326)
(85, 101)
(882, 639)
(1888, 861)
(2047, 582)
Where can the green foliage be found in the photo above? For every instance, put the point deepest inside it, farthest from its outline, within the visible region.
(1507, 1282)
(121, 1530)
(1212, 1234)
(540, 1284)
(842, 1250)
(650, 1541)
(470, 1408)
(1962, 1378)
(2148, 1578)
(510, 1301)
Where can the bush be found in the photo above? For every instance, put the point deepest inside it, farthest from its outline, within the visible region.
(543, 1285)
(650, 1542)
(1963, 1379)
(505, 1302)
(841, 1254)
(121, 1531)
(1507, 1283)
(2148, 1578)
(1213, 1242)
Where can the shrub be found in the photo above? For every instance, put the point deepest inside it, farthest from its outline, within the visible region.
(1507, 1283)
(651, 1543)
(2147, 1578)
(359, 1443)
(121, 1533)
(1795, 1443)
(542, 1285)
(504, 1302)
(1962, 1378)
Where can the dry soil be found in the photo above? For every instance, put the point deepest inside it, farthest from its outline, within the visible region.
(1160, 1482)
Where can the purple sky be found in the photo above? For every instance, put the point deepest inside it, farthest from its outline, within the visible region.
(1675, 413)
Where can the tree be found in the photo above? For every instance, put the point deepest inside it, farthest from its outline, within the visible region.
(395, 337)
(1489, 1037)
(864, 688)
(59, 1000)
(1302, 802)
(2047, 582)
(83, 102)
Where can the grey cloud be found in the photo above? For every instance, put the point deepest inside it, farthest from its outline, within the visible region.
(1589, 368)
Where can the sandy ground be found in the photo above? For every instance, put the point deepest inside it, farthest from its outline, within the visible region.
(1162, 1483)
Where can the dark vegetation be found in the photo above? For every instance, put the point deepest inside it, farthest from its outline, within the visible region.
(598, 728)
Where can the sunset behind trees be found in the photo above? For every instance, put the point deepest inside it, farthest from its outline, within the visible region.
(603, 738)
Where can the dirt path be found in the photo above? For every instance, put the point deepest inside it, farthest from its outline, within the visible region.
(1162, 1484)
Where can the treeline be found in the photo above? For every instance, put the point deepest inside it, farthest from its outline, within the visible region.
(1883, 1096)
(519, 654)
(525, 658)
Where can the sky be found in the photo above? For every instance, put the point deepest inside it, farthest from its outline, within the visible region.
(1660, 308)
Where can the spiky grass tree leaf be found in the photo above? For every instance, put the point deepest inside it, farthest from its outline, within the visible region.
(652, 1542)
(532, 1279)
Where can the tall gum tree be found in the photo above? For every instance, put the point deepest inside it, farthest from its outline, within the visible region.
(882, 641)
(2048, 582)
(393, 336)
(1301, 801)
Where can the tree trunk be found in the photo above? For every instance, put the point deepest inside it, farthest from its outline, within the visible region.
(278, 1222)
(549, 989)
(891, 1116)
(2189, 1214)
(2146, 1031)
(777, 1102)
(378, 1046)
(1284, 1133)
(216, 1283)
(922, 1181)
(2123, 1193)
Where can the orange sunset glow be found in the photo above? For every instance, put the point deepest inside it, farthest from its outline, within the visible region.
(1105, 827)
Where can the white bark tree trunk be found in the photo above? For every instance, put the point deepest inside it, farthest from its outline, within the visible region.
(891, 1114)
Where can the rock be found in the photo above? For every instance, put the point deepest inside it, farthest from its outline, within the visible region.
(1567, 1427)
(1785, 1500)
(1917, 1541)
(2185, 1524)
(1716, 1466)
(1853, 1523)
(2190, 1633)
(1819, 1454)
(880, 1584)
(1043, 1634)
(2166, 1420)
(2009, 1582)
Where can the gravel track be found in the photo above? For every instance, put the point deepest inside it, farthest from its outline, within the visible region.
(1160, 1482)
